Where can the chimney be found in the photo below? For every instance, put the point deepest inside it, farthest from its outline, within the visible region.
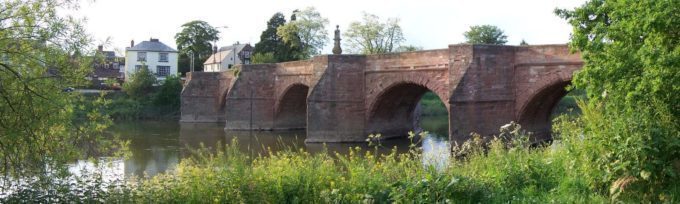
(132, 43)
(100, 48)
(153, 39)
(214, 49)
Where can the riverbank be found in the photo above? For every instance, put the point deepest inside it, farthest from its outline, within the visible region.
(495, 171)
(143, 98)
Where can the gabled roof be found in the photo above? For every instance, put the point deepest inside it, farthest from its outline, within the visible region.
(109, 54)
(223, 52)
(238, 47)
(106, 72)
(153, 45)
(218, 57)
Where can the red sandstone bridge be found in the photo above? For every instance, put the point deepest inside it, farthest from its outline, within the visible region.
(343, 98)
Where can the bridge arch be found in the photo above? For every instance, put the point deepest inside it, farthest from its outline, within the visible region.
(534, 116)
(392, 112)
(291, 108)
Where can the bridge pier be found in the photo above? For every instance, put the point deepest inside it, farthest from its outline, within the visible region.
(335, 105)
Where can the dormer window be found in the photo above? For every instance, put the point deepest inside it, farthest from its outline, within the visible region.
(162, 57)
(141, 56)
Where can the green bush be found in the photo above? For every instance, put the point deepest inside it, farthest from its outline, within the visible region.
(169, 93)
(124, 108)
(144, 101)
(140, 84)
(626, 154)
(432, 105)
(630, 122)
(263, 58)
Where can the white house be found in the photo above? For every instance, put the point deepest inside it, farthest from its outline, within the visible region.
(227, 57)
(159, 58)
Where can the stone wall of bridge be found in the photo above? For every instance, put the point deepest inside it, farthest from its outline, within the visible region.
(343, 98)
(203, 96)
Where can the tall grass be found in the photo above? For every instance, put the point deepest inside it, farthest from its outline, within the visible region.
(573, 169)
(505, 169)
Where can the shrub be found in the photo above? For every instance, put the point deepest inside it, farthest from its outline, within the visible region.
(263, 58)
(169, 92)
(140, 83)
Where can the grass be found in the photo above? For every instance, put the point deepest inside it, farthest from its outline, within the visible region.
(495, 172)
(575, 168)
(499, 174)
(499, 171)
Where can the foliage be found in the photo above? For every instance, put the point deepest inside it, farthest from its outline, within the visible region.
(568, 104)
(124, 108)
(408, 48)
(88, 187)
(169, 92)
(195, 37)
(432, 105)
(631, 55)
(485, 34)
(144, 101)
(162, 103)
(270, 42)
(500, 170)
(140, 83)
(631, 51)
(523, 43)
(307, 31)
(41, 126)
(263, 58)
(371, 36)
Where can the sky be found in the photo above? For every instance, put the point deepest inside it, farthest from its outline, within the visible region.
(430, 24)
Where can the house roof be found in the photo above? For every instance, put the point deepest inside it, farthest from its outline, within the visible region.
(106, 72)
(152, 45)
(109, 54)
(238, 47)
(224, 52)
(218, 57)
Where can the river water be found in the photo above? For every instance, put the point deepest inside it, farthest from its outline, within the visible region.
(158, 146)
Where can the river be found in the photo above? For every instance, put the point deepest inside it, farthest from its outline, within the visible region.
(158, 146)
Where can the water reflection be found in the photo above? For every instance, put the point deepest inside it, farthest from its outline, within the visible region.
(157, 147)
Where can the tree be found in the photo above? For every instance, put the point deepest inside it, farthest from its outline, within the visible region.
(306, 31)
(631, 54)
(373, 36)
(140, 83)
(195, 37)
(262, 58)
(408, 48)
(169, 93)
(485, 34)
(42, 53)
(523, 43)
(273, 44)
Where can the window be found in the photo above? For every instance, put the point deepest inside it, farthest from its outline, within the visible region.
(229, 66)
(247, 61)
(163, 57)
(162, 70)
(141, 56)
(138, 67)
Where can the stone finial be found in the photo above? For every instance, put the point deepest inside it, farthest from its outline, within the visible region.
(336, 49)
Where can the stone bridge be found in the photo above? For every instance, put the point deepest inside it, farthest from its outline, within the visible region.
(343, 98)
